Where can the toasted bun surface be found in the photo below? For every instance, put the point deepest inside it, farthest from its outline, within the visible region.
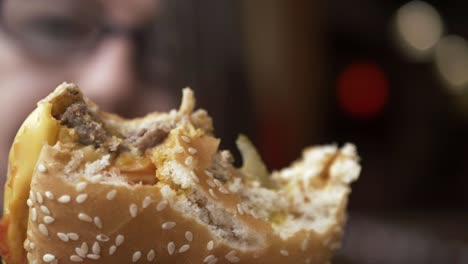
(90, 187)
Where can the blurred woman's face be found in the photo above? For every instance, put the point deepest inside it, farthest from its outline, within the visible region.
(46, 42)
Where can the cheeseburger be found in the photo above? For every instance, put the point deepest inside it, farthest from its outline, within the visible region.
(85, 186)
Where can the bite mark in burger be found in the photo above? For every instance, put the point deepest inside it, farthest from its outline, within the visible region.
(87, 186)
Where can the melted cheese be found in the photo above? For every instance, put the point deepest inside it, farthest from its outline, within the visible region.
(39, 128)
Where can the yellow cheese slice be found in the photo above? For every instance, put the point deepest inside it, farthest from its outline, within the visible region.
(39, 128)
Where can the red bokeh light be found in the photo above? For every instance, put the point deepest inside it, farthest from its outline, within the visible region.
(362, 90)
(276, 144)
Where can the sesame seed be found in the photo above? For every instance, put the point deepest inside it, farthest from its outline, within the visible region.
(49, 195)
(44, 209)
(29, 203)
(48, 258)
(212, 193)
(194, 177)
(184, 248)
(76, 258)
(64, 199)
(39, 198)
(185, 138)
(85, 218)
(43, 229)
(168, 225)
(48, 219)
(284, 252)
(112, 250)
(27, 243)
(81, 186)
(80, 252)
(209, 258)
(32, 245)
(41, 168)
(33, 214)
(179, 149)
(63, 236)
(102, 238)
(111, 195)
(189, 236)
(171, 248)
(231, 257)
(81, 198)
(119, 240)
(97, 222)
(188, 161)
(210, 183)
(96, 248)
(221, 189)
(96, 178)
(151, 255)
(93, 256)
(209, 173)
(73, 236)
(32, 196)
(161, 206)
(213, 261)
(136, 256)
(133, 209)
(192, 151)
(210, 245)
(146, 202)
(84, 247)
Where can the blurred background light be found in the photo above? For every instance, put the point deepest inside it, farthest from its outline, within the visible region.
(451, 58)
(418, 27)
(362, 90)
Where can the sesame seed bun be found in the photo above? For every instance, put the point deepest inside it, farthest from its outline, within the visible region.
(158, 190)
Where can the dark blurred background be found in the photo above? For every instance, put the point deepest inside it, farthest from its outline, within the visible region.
(389, 76)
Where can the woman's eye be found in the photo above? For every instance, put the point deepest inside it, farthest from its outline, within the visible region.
(56, 29)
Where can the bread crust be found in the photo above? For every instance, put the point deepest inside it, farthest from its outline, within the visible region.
(94, 216)
(145, 232)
